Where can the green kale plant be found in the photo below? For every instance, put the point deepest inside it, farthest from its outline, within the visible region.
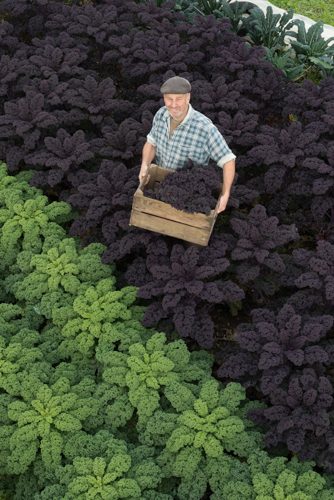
(278, 478)
(212, 427)
(26, 222)
(61, 270)
(152, 370)
(13, 318)
(311, 48)
(107, 470)
(26, 217)
(91, 315)
(15, 360)
(269, 29)
(41, 419)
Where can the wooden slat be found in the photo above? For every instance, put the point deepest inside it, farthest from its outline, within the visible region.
(161, 225)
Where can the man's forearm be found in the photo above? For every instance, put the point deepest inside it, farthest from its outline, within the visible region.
(228, 176)
(148, 154)
(147, 157)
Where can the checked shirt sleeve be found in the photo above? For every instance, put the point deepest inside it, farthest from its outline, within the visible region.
(152, 135)
(218, 148)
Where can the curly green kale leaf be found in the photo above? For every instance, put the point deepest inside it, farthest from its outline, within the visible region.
(230, 478)
(15, 359)
(158, 428)
(115, 407)
(6, 430)
(17, 185)
(123, 333)
(12, 319)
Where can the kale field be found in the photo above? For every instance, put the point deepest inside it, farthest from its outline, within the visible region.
(134, 365)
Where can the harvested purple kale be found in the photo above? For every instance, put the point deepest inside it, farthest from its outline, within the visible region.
(191, 189)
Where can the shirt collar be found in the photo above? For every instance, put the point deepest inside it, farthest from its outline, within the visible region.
(185, 119)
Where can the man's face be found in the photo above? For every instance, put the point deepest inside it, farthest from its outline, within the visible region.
(177, 105)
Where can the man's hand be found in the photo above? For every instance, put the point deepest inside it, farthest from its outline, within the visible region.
(143, 172)
(223, 202)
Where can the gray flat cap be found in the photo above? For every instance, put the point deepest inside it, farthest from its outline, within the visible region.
(176, 85)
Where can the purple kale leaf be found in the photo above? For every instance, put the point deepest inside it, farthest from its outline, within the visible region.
(317, 271)
(323, 169)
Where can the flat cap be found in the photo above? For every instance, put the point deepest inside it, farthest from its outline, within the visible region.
(175, 85)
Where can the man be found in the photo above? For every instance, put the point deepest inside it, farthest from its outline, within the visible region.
(180, 133)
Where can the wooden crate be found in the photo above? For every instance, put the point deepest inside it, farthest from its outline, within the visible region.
(161, 217)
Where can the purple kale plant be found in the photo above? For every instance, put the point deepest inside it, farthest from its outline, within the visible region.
(256, 240)
(282, 150)
(60, 155)
(122, 142)
(95, 22)
(224, 103)
(95, 98)
(182, 283)
(54, 56)
(104, 201)
(25, 118)
(259, 81)
(51, 88)
(299, 415)
(312, 105)
(273, 346)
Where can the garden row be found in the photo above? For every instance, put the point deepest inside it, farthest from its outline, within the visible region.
(79, 87)
(94, 405)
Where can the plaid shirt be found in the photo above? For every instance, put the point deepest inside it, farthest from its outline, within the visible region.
(196, 138)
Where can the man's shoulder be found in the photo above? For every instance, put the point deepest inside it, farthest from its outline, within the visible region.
(161, 113)
(201, 122)
(201, 119)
